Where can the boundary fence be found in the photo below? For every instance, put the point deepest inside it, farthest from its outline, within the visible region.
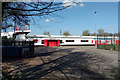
(108, 42)
(17, 48)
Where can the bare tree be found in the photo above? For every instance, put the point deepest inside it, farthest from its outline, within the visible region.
(110, 34)
(116, 34)
(46, 33)
(66, 33)
(106, 34)
(86, 33)
(100, 32)
(21, 12)
(93, 34)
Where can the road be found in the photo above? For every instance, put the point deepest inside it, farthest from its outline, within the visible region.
(66, 62)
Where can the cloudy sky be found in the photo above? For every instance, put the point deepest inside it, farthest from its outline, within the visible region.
(78, 18)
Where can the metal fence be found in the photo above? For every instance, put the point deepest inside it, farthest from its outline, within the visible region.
(17, 43)
(17, 48)
(108, 42)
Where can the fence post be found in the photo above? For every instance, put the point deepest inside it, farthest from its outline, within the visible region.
(104, 42)
(96, 42)
(118, 42)
(114, 41)
(10, 43)
(22, 43)
(33, 46)
(111, 39)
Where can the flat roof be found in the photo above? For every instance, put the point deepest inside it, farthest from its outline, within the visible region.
(62, 36)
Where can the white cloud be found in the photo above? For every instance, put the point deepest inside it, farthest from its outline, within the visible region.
(48, 20)
(72, 3)
(81, 4)
(68, 3)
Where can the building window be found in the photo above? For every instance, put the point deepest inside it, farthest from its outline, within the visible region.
(84, 40)
(42, 42)
(69, 40)
(61, 41)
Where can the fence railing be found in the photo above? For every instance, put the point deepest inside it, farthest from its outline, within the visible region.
(18, 47)
(108, 42)
(17, 43)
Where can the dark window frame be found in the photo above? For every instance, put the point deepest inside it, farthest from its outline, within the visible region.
(61, 41)
(84, 40)
(70, 41)
(42, 42)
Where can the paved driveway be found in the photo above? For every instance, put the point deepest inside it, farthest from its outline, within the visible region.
(67, 62)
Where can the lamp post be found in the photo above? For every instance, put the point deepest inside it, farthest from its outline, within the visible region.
(96, 42)
(95, 21)
(60, 32)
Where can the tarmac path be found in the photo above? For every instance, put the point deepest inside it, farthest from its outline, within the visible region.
(67, 63)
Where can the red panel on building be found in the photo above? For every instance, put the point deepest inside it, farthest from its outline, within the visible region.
(45, 42)
(92, 41)
(105, 42)
(58, 42)
(51, 42)
(117, 41)
(96, 42)
(100, 41)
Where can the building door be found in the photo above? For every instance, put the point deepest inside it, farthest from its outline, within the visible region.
(52, 43)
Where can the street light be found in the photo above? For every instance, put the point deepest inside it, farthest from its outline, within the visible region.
(96, 43)
(60, 31)
(95, 21)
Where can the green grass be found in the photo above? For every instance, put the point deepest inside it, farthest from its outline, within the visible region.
(109, 47)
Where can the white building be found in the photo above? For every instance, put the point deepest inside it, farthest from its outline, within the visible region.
(8, 34)
(56, 40)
